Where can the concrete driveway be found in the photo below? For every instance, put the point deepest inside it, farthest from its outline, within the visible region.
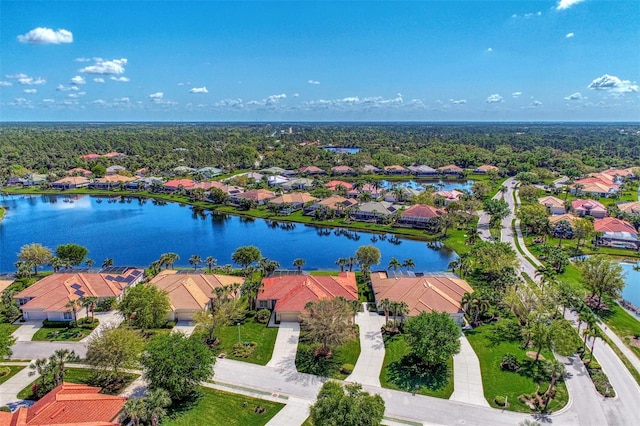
(107, 319)
(467, 378)
(369, 364)
(284, 352)
(185, 327)
(27, 330)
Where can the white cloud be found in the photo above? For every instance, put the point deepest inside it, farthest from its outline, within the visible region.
(458, 102)
(99, 80)
(124, 100)
(315, 82)
(516, 94)
(569, 35)
(78, 80)
(73, 95)
(157, 95)
(613, 84)
(5, 83)
(574, 97)
(19, 75)
(120, 79)
(25, 80)
(527, 15)
(536, 103)
(495, 98)
(202, 89)
(566, 4)
(42, 35)
(82, 59)
(489, 50)
(30, 91)
(62, 88)
(295, 95)
(101, 66)
(48, 101)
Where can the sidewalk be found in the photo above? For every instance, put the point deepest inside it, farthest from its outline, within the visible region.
(467, 378)
(9, 389)
(369, 364)
(294, 413)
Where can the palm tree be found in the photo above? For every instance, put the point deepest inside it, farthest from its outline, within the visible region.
(74, 305)
(40, 367)
(168, 259)
(107, 262)
(89, 303)
(135, 410)
(454, 264)
(351, 262)
(56, 263)
(341, 262)
(385, 304)
(556, 370)
(211, 262)
(299, 263)
(252, 288)
(195, 260)
(394, 263)
(408, 263)
(57, 363)
(156, 403)
(403, 309)
(89, 263)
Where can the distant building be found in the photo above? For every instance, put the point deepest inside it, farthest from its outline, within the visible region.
(588, 208)
(485, 168)
(616, 233)
(554, 205)
(420, 216)
(70, 182)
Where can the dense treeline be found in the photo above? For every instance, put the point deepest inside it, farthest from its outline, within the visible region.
(569, 148)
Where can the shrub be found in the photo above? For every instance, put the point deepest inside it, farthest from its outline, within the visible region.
(593, 365)
(250, 314)
(4, 371)
(169, 324)
(244, 350)
(5, 409)
(108, 303)
(346, 368)
(56, 324)
(508, 330)
(509, 363)
(263, 316)
(500, 401)
(88, 324)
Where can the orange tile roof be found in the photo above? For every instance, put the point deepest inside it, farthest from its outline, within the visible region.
(453, 195)
(619, 172)
(175, 183)
(191, 291)
(294, 197)
(587, 205)
(76, 180)
(116, 178)
(80, 170)
(395, 167)
(257, 195)
(560, 217)
(293, 292)
(630, 208)
(336, 202)
(54, 291)
(422, 294)
(487, 167)
(612, 224)
(450, 168)
(90, 156)
(551, 201)
(342, 169)
(332, 185)
(311, 169)
(421, 211)
(71, 405)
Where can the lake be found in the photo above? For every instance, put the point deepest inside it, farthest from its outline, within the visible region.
(136, 232)
(631, 292)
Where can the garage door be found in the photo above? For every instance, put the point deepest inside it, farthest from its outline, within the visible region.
(289, 316)
(185, 315)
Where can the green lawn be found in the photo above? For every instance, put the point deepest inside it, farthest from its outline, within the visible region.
(52, 334)
(13, 369)
(622, 323)
(346, 353)
(497, 382)
(82, 376)
(398, 375)
(250, 331)
(217, 408)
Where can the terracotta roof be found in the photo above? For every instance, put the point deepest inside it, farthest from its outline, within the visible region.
(191, 291)
(76, 180)
(595, 184)
(422, 294)
(619, 172)
(337, 202)
(421, 211)
(257, 195)
(114, 154)
(612, 224)
(394, 168)
(486, 168)
(551, 201)
(630, 208)
(311, 169)
(90, 156)
(333, 185)
(116, 178)
(560, 217)
(453, 195)
(592, 205)
(294, 197)
(293, 292)
(72, 405)
(342, 169)
(54, 291)
(450, 168)
(175, 183)
(80, 170)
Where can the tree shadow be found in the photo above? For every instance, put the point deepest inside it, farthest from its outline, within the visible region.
(410, 373)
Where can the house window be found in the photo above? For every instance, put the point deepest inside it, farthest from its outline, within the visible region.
(68, 316)
(263, 304)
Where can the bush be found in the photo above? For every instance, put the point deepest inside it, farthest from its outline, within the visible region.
(509, 363)
(244, 350)
(4, 371)
(56, 324)
(500, 401)
(169, 324)
(5, 409)
(88, 324)
(508, 330)
(263, 316)
(593, 365)
(108, 303)
(346, 368)
(250, 314)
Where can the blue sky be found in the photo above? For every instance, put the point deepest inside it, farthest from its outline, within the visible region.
(556, 60)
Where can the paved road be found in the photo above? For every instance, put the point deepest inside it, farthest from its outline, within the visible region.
(284, 351)
(467, 379)
(34, 350)
(369, 364)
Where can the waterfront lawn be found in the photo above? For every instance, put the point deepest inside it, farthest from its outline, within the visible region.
(398, 372)
(345, 354)
(13, 370)
(250, 331)
(218, 408)
(486, 342)
(622, 323)
(82, 376)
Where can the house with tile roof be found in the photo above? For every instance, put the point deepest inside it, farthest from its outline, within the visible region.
(111, 181)
(588, 208)
(451, 170)
(175, 184)
(68, 404)
(562, 230)
(370, 169)
(312, 171)
(190, 293)
(420, 216)
(79, 171)
(402, 194)
(631, 208)
(596, 186)
(287, 295)
(482, 170)
(113, 170)
(91, 156)
(449, 196)
(421, 292)
(48, 297)
(553, 204)
(422, 170)
(374, 211)
(395, 170)
(335, 203)
(260, 196)
(114, 155)
(334, 184)
(342, 170)
(616, 233)
(293, 201)
(71, 182)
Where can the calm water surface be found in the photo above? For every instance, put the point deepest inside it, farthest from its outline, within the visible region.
(137, 232)
(631, 291)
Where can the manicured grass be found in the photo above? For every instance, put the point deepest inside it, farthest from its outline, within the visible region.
(56, 334)
(456, 240)
(8, 328)
(217, 408)
(497, 382)
(346, 353)
(395, 375)
(622, 323)
(250, 331)
(81, 376)
(13, 370)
